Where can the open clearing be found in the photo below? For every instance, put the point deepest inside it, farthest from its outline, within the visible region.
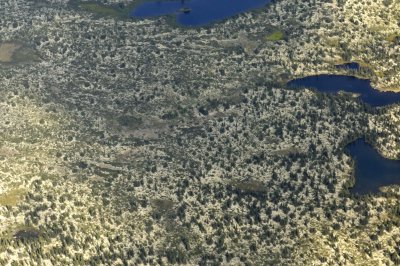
(7, 51)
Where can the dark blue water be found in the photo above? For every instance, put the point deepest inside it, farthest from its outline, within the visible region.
(202, 12)
(336, 83)
(350, 66)
(372, 170)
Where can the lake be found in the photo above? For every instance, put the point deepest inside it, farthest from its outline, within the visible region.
(335, 83)
(371, 169)
(198, 12)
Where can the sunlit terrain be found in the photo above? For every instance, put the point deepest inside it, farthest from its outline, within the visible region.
(140, 141)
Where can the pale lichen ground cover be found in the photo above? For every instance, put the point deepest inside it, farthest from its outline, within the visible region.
(138, 142)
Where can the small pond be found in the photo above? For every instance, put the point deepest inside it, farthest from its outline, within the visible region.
(196, 12)
(371, 169)
(337, 83)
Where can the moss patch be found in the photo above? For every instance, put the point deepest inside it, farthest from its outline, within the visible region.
(7, 51)
(19, 232)
(106, 11)
(332, 41)
(130, 122)
(12, 197)
(250, 186)
(25, 54)
(28, 233)
(274, 36)
(13, 52)
(392, 38)
(162, 205)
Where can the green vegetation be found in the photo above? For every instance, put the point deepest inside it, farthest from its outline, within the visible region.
(14, 52)
(331, 41)
(100, 9)
(7, 50)
(106, 11)
(19, 231)
(141, 143)
(25, 54)
(12, 197)
(29, 233)
(274, 36)
(250, 186)
(162, 205)
(392, 38)
(130, 121)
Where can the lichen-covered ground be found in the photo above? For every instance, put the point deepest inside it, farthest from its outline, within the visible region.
(128, 142)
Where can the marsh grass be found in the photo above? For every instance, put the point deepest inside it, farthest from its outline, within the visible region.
(12, 197)
(250, 186)
(101, 10)
(7, 51)
(274, 36)
(14, 52)
(25, 54)
(392, 37)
